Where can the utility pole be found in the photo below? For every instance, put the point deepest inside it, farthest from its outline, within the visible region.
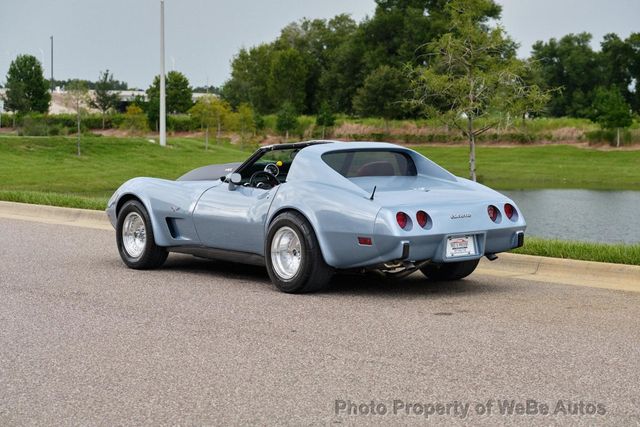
(163, 105)
(51, 64)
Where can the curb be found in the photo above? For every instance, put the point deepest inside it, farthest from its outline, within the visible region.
(55, 215)
(527, 267)
(564, 271)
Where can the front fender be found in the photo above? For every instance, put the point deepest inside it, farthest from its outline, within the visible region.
(170, 206)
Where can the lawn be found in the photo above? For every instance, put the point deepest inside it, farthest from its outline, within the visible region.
(46, 169)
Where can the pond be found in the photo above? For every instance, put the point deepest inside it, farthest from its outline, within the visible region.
(588, 215)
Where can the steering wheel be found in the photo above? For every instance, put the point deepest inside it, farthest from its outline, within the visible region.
(260, 177)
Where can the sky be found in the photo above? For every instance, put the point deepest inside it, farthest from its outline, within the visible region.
(202, 36)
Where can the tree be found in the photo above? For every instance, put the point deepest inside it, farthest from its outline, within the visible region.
(287, 78)
(472, 74)
(211, 111)
(382, 95)
(27, 89)
(286, 120)
(325, 117)
(104, 98)
(178, 92)
(77, 98)
(570, 64)
(611, 110)
(246, 121)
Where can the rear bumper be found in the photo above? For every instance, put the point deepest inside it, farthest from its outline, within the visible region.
(416, 248)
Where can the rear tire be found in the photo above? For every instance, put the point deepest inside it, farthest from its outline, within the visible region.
(134, 236)
(293, 257)
(450, 270)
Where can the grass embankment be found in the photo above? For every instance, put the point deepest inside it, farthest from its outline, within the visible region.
(585, 251)
(45, 170)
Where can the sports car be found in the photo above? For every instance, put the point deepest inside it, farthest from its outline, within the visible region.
(310, 209)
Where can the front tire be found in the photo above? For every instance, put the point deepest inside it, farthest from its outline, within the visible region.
(134, 236)
(293, 257)
(450, 270)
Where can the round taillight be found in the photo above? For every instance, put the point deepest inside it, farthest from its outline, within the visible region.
(493, 213)
(422, 218)
(402, 219)
(509, 210)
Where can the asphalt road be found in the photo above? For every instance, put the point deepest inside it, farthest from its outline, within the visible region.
(84, 340)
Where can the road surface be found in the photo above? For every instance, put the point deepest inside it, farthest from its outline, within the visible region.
(84, 340)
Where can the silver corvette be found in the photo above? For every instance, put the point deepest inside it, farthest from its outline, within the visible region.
(309, 209)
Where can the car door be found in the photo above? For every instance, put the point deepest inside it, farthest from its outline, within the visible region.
(232, 217)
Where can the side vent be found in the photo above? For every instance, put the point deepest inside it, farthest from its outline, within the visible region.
(171, 225)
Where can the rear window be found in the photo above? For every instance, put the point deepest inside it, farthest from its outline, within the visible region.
(370, 163)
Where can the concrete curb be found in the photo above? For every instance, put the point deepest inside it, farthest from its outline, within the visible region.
(564, 271)
(528, 267)
(55, 215)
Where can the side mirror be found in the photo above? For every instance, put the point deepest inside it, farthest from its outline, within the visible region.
(234, 179)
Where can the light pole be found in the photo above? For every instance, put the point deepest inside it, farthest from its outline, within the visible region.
(51, 63)
(163, 105)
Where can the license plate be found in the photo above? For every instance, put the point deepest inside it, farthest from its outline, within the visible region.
(459, 246)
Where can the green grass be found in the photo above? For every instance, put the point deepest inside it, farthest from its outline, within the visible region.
(31, 168)
(551, 166)
(45, 170)
(600, 252)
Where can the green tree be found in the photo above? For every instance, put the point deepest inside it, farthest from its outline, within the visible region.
(27, 89)
(287, 78)
(611, 110)
(286, 120)
(472, 74)
(77, 98)
(325, 117)
(178, 92)
(571, 65)
(382, 95)
(246, 121)
(104, 97)
(633, 41)
(211, 111)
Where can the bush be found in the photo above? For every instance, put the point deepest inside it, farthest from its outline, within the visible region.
(181, 123)
(608, 136)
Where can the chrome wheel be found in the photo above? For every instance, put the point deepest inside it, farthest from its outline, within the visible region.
(134, 235)
(286, 253)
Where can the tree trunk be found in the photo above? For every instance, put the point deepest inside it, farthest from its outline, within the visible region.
(206, 138)
(286, 136)
(618, 138)
(103, 114)
(472, 150)
(323, 130)
(78, 139)
(218, 131)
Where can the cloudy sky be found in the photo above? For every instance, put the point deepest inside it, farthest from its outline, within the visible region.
(203, 35)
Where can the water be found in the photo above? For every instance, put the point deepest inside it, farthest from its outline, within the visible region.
(587, 215)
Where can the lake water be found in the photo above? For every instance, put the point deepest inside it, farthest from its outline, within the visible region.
(596, 216)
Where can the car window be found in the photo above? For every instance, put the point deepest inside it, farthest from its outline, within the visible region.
(359, 163)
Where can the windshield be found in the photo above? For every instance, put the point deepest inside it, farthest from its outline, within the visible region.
(360, 163)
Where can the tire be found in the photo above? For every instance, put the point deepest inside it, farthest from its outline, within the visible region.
(140, 253)
(449, 271)
(307, 271)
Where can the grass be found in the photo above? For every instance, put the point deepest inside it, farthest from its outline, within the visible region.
(551, 166)
(45, 170)
(586, 251)
(32, 168)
